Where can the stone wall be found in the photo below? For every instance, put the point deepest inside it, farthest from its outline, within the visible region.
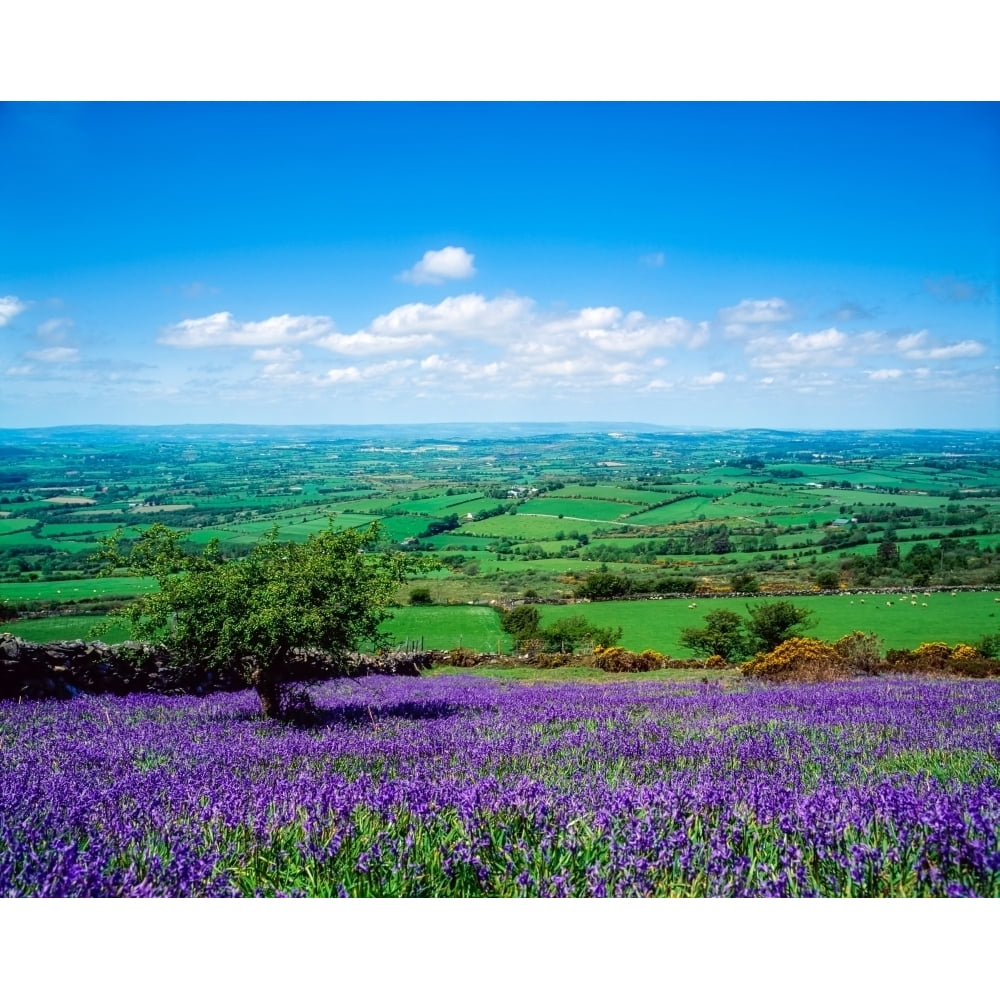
(64, 669)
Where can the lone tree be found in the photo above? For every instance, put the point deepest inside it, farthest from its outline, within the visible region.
(250, 615)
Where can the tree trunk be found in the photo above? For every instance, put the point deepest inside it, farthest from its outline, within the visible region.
(269, 692)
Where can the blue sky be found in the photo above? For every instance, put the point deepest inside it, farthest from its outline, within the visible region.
(704, 264)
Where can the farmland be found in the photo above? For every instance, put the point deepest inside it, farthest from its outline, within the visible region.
(533, 513)
(900, 622)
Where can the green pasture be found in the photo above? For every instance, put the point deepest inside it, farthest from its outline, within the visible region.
(401, 526)
(679, 512)
(584, 510)
(443, 504)
(475, 627)
(16, 538)
(61, 628)
(900, 623)
(528, 527)
(64, 591)
(13, 525)
(91, 529)
(618, 494)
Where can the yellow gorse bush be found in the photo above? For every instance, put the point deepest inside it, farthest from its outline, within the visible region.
(791, 657)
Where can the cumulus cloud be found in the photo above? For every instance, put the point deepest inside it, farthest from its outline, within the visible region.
(222, 330)
(10, 306)
(55, 355)
(438, 266)
(827, 347)
(919, 347)
(639, 334)
(773, 310)
(885, 374)
(457, 315)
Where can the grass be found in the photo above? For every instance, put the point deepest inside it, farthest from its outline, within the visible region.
(448, 627)
(525, 673)
(64, 591)
(528, 527)
(60, 628)
(951, 618)
(962, 617)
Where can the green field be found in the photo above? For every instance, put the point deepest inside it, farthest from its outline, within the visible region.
(951, 618)
(58, 628)
(448, 628)
(65, 591)
(900, 622)
(580, 510)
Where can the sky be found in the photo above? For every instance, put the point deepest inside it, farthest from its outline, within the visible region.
(783, 265)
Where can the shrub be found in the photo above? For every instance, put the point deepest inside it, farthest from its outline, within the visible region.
(548, 661)
(420, 595)
(939, 657)
(798, 659)
(616, 660)
(860, 651)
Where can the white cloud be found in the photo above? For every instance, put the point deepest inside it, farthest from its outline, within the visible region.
(917, 346)
(10, 306)
(584, 319)
(715, 378)
(277, 355)
(885, 374)
(438, 266)
(461, 367)
(363, 342)
(653, 259)
(457, 315)
(222, 330)
(640, 334)
(55, 355)
(53, 329)
(827, 347)
(773, 310)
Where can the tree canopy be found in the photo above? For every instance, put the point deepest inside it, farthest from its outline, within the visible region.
(329, 594)
(731, 636)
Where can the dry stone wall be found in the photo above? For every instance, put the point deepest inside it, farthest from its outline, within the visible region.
(31, 670)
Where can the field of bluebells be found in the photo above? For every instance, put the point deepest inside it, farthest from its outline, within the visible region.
(468, 786)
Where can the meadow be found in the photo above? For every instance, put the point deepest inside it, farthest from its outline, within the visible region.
(470, 786)
(900, 621)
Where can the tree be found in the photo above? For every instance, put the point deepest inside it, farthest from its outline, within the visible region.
(250, 615)
(602, 586)
(723, 634)
(567, 635)
(771, 624)
(522, 623)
